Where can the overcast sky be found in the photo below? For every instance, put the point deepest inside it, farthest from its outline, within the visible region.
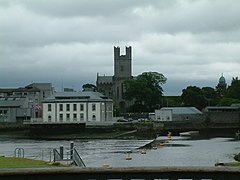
(191, 42)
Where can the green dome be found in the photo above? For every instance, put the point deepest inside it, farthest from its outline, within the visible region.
(222, 80)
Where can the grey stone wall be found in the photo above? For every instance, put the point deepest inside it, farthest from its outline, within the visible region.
(223, 118)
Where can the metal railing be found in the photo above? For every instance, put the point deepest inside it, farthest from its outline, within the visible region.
(149, 173)
(77, 159)
(19, 152)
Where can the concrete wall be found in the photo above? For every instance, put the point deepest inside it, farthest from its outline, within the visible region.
(223, 118)
(171, 173)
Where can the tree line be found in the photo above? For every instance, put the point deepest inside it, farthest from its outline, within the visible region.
(146, 92)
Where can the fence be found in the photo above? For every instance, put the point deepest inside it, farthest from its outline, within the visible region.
(149, 173)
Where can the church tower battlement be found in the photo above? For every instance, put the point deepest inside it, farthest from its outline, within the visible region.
(113, 86)
(123, 63)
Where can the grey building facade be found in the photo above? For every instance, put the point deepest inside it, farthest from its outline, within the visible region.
(113, 86)
(77, 107)
(18, 104)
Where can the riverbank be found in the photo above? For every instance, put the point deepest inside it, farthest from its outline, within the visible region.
(140, 130)
(120, 134)
(13, 162)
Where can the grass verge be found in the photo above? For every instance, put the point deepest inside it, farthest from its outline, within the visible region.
(13, 162)
(232, 164)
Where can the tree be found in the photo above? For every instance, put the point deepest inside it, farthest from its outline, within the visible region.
(228, 101)
(89, 86)
(233, 91)
(193, 96)
(210, 96)
(145, 90)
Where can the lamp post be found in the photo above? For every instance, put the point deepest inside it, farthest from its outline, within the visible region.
(1, 117)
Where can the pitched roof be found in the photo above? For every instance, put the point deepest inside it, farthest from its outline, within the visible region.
(183, 110)
(77, 97)
(12, 102)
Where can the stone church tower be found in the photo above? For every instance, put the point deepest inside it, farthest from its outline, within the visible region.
(113, 86)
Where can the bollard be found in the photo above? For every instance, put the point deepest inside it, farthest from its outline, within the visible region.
(61, 152)
(71, 149)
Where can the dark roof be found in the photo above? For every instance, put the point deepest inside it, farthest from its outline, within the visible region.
(12, 102)
(222, 108)
(21, 89)
(77, 97)
(183, 110)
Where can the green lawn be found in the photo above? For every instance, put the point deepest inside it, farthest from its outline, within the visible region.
(233, 164)
(13, 162)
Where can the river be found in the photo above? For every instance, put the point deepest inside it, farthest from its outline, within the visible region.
(177, 152)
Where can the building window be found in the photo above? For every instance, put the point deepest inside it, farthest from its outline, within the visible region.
(49, 107)
(74, 107)
(103, 106)
(81, 117)
(74, 117)
(60, 107)
(67, 117)
(81, 107)
(109, 108)
(49, 118)
(61, 117)
(117, 92)
(3, 112)
(93, 107)
(94, 117)
(68, 107)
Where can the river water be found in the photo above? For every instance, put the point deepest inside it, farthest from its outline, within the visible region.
(177, 152)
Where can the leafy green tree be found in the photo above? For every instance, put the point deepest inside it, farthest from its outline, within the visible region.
(89, 86)
(145, 90)
(210, 96)
(233, 91)
(193, 96)
(227, 101)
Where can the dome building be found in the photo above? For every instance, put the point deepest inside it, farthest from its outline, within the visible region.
(222, 86)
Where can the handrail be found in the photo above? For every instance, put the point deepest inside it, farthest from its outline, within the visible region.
(56, 156)
(19, 152)
(77, 159)
(170, 173)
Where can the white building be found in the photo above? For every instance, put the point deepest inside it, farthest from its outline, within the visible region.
(77, 107)
(177, 114)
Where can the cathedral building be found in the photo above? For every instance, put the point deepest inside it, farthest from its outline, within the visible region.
(222, 86)
(113, 86)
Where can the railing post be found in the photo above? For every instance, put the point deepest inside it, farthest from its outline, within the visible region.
(61, 152)
(71, 149)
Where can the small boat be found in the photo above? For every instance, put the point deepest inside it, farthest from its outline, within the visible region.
(128, 157)
(143, 152)
(189, 133)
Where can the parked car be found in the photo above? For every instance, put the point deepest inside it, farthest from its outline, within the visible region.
(122, 120)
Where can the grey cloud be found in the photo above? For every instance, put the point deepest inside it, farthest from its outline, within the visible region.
(190, 42)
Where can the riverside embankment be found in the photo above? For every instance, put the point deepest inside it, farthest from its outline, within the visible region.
(124, 130)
